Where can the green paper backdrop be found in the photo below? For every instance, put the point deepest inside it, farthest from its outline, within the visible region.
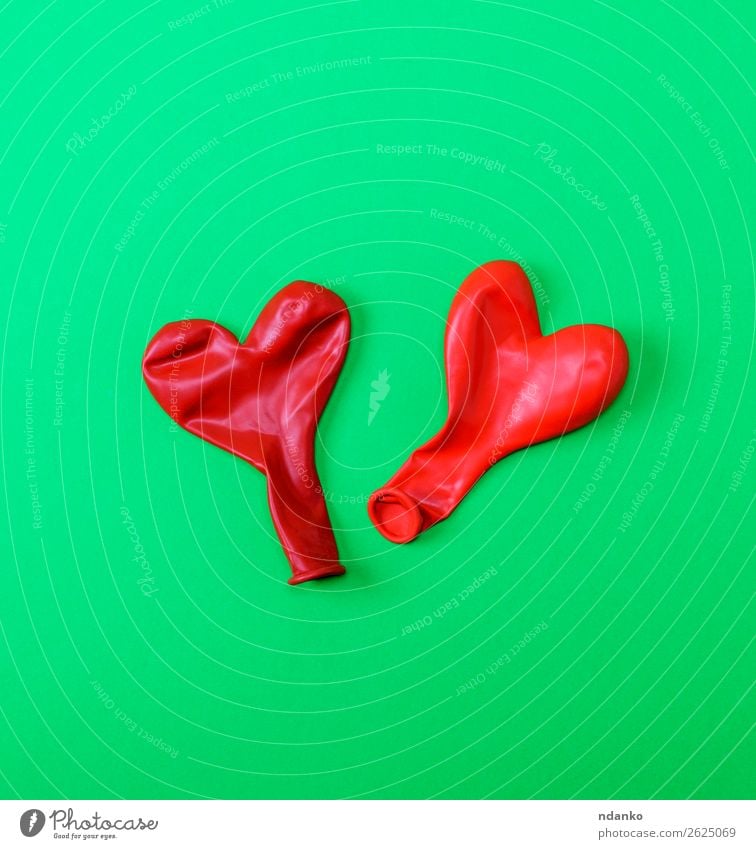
(580, 627)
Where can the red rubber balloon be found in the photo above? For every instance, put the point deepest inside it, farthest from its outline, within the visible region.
(261, 400)
(509, 387)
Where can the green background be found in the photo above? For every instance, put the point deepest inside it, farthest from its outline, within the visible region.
(226, 682)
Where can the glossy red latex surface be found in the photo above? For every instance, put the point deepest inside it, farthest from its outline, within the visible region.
(261, 400)
(509, 387)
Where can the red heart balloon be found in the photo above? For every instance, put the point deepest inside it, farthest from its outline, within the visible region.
(509, 386)
(262, 400)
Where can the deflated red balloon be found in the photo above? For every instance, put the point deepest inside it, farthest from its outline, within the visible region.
(261, 400)
(509, 387)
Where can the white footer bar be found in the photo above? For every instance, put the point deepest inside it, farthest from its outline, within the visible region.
(379, 824)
